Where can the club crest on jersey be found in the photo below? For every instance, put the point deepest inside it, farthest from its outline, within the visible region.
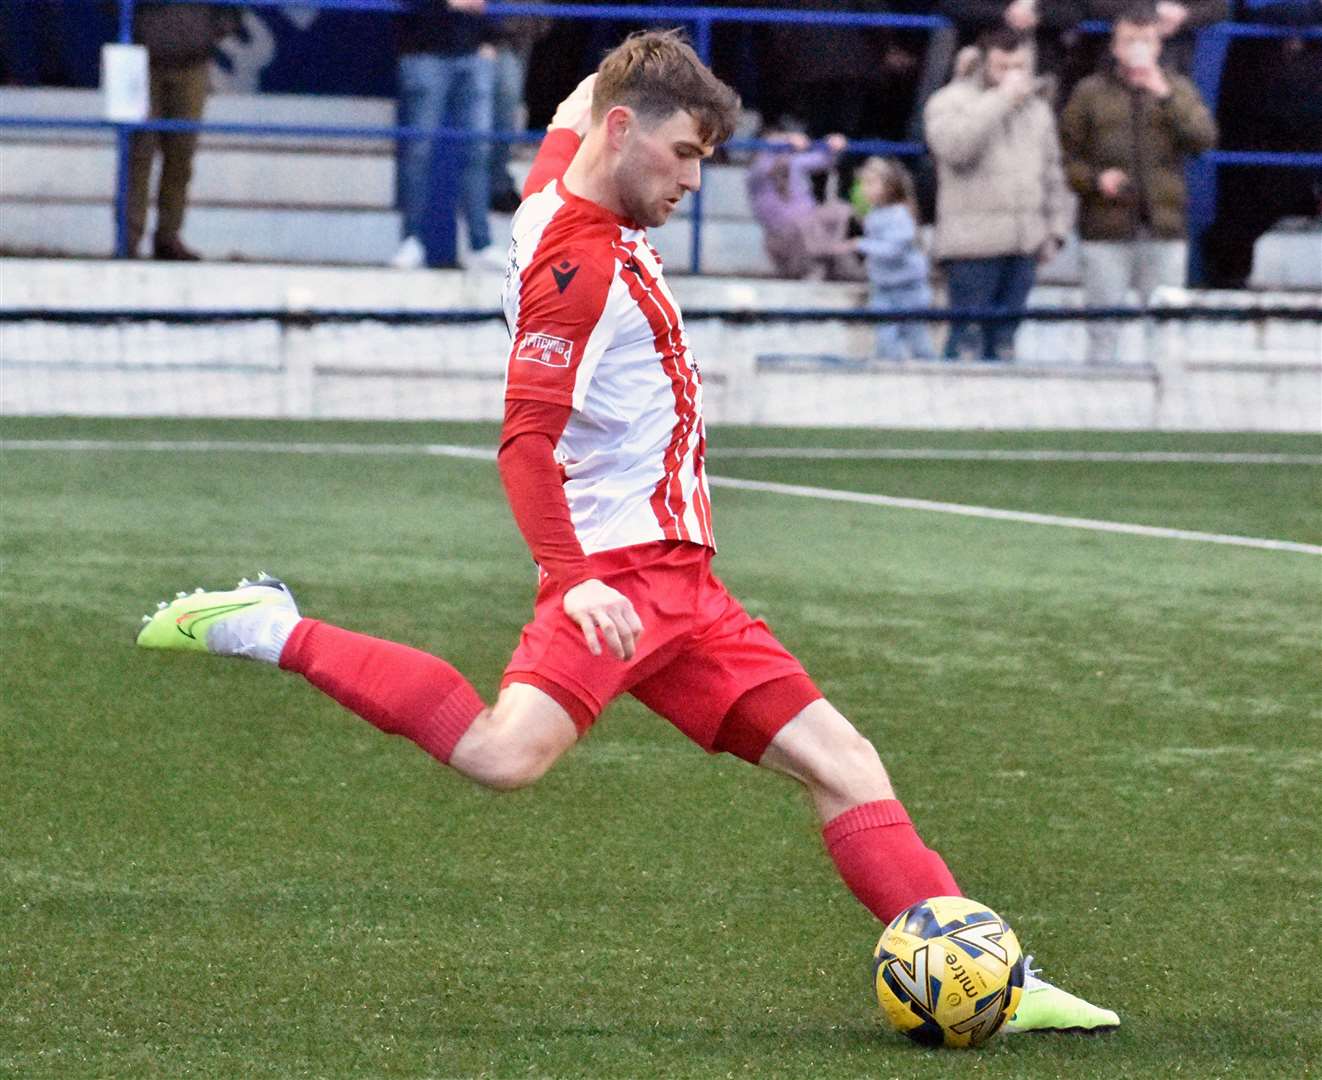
(544, 349)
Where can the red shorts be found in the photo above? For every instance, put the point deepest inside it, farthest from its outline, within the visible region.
(702, 661)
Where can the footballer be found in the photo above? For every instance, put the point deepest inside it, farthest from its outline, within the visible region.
(602, 458)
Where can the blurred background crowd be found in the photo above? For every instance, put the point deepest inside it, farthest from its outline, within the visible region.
(1038, 125)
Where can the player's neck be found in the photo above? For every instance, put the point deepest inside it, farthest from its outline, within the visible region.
(590, 176)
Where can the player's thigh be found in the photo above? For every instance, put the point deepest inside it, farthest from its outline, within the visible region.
(826, 753)
(515, 741)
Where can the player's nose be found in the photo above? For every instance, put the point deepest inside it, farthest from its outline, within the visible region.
(690, 178)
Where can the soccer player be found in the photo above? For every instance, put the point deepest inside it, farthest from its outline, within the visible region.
(602, 459)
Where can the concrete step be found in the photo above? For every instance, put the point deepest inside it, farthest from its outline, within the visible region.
(54, 173)
(217, 232)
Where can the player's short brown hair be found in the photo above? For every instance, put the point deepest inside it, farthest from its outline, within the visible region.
(657, 73)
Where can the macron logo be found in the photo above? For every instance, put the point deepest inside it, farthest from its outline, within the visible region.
(544, 349)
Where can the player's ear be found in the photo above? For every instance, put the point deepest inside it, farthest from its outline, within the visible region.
(620, 120)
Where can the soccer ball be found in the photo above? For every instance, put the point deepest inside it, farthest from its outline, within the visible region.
(948, 971)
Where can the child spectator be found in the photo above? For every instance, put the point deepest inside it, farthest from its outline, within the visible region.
(805, 239)
(896, 263)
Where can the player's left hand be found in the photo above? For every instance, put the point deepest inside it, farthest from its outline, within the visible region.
(594, 605)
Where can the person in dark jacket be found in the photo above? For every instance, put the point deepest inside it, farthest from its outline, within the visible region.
(1177, 23)
(1126, 133)
(179, 39)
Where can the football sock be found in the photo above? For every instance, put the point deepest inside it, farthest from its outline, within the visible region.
(400, 690)
(883, 860)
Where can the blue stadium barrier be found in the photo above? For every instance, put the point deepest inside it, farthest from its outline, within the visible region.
(1209, 61)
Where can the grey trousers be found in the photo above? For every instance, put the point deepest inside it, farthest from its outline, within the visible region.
(1111, 268)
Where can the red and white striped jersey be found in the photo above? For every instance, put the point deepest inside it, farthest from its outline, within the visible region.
(594, 327)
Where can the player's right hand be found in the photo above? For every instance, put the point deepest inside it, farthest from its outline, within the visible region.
(594, 605)
(575, 112)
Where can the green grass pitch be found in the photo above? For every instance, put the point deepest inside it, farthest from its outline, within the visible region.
(209, 870)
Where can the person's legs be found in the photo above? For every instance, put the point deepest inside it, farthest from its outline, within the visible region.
(916, 336)
(1107, 272)
(866, 830)
(403, 691)
(424, 80)
(510, 71)
(1159, 262)
(1014, 283)
(184, 99)
(888, 332)
(468, 108)
(971, 283)
(142, 151)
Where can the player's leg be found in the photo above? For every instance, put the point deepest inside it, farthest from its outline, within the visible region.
(398, 689)
(866, 829)
(878, 853)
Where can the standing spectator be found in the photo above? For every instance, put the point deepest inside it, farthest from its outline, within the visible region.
(1002, 202)
(1177, 23)
(1271, 99)
(896, 263)
(805, 239)
(1050, 28)
(513, 39)
(446, 79)
(1126, 132)
(852, 79)
(179, 39)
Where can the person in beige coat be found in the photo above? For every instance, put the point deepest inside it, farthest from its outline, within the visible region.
(1002, 204)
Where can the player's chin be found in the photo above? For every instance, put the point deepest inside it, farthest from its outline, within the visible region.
(663, 212)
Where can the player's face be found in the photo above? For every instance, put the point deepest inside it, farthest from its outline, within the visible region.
(659, 163)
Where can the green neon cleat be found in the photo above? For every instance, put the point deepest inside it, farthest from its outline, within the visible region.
(1044, 1007)
(252, 620)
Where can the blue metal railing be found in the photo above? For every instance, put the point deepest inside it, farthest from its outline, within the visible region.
(1209, 61)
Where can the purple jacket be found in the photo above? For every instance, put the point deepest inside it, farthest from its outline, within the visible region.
(780, 211)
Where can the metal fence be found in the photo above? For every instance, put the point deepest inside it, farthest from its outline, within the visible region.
(1209, 59)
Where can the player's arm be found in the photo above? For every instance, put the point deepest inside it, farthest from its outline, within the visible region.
(531, 478)
(570, 123)
(564, 325)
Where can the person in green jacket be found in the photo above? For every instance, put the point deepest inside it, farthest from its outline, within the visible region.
(1126, 132)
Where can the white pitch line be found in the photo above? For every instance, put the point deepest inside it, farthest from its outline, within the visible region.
(1139, 457)
(481, 453)
(230, 446)
(1027, 517)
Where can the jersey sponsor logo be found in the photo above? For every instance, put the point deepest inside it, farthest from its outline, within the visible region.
(544, 349)
(563, 274)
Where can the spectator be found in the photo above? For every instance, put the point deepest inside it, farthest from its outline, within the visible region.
(896, 263)
(804, 238)
(513, 39)
(1050, 28)
(1176, 23)
(1002, 202)
(1126, 132)
(446, 79)
(179, 39)
(1271, 100)
(852, 79)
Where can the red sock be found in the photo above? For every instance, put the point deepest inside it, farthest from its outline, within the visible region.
(883, 861)
(400, 690)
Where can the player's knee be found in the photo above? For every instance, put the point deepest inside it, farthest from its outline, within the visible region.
(851, 761)
(832, 759)
(510, 775)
